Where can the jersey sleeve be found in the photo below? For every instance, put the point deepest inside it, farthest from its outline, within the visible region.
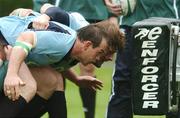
(53, 43)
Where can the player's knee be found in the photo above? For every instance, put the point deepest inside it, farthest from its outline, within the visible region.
(45, 77)
(33, 88)
(29, 90)
(60, 84)
(48, 85)
(47, 88)
(51, 84)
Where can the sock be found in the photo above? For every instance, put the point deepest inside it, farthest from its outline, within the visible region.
(9, 108)
(34, 108)
(56, 105)
(88, 97)
(42, 111)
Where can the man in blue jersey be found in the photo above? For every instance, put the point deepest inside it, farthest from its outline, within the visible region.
(73, 20)
(91, 44)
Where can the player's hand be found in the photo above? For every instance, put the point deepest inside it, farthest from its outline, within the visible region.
(89, 82)
(41, 22)
(21, 12)
(12, 85)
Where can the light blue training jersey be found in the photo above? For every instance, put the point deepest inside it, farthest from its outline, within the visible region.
(51, 46)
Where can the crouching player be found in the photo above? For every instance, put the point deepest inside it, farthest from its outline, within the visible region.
(92, 40)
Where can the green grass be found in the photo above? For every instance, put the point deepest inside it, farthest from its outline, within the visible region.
(149, 117)
(74, 104)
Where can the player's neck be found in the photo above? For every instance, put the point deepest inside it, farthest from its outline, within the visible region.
(77, 49)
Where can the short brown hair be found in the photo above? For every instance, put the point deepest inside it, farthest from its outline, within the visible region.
(104, 29)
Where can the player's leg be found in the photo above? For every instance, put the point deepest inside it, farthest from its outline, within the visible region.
(56, 105)
(120, 104)
(11, 108)
(46, 84)
(51, 83)
(88, 96)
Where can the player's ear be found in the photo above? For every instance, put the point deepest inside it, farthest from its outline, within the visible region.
(87, 44)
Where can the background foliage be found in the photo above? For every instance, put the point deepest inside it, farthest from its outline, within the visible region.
(6, 6)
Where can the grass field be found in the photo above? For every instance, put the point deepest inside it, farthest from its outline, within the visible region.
(74, 104)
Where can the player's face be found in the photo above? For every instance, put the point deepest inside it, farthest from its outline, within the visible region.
(105, 55)
(98, 55)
